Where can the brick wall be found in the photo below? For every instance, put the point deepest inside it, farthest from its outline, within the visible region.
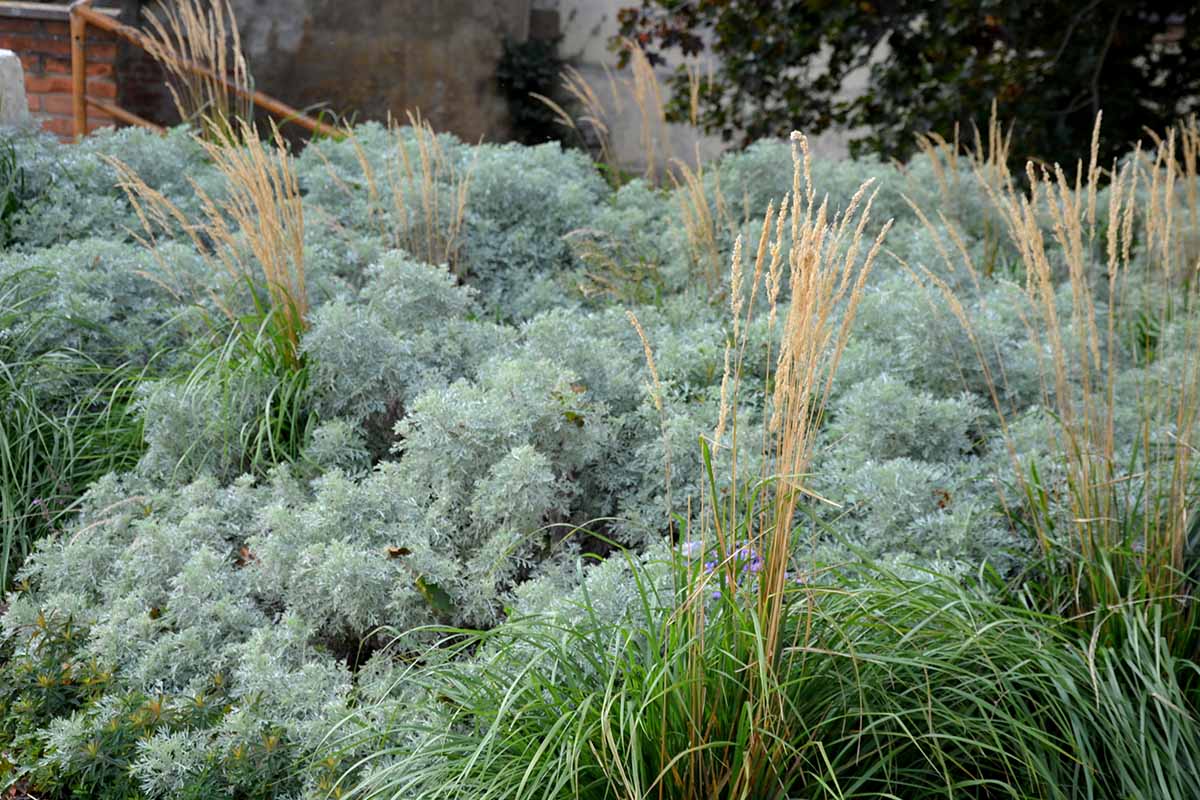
(40, 35)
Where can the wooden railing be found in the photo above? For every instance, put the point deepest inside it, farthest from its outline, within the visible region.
(82, 15)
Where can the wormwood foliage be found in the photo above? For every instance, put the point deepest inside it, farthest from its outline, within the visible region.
(332, 420)
(758, 674)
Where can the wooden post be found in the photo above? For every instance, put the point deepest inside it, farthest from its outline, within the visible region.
(79, 68)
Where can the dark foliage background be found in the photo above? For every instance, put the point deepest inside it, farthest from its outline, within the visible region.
(1050, 65)
(525, 67)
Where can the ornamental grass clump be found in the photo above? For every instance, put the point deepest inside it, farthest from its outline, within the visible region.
(746, 749)
(1110, 292)
(254, 232)
(245, 404)
(708, 224)
(954, 174)
(50, 454)
(592, 118)
(894, 688)
(592, 113)
(198, 43)
(418, 201)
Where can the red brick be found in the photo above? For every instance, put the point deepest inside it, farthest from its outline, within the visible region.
(62, 30)
(31, 62)
(35, 84)
(63, 66)
(62, 127)
(105, 51)
(103, 90)
(11, 25)
(102, 51)
(35, 102)
(64, 104)
(58, 104)
(36, 44)
(63, 85)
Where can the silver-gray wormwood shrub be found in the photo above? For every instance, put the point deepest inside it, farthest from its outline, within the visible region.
(472, 436)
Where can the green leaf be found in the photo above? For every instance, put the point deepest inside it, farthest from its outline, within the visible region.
(439, 602)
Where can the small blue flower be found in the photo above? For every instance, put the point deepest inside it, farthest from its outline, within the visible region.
(794, 577)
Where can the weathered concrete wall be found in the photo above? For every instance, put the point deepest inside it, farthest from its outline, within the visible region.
(361, 58)
(368, 58)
